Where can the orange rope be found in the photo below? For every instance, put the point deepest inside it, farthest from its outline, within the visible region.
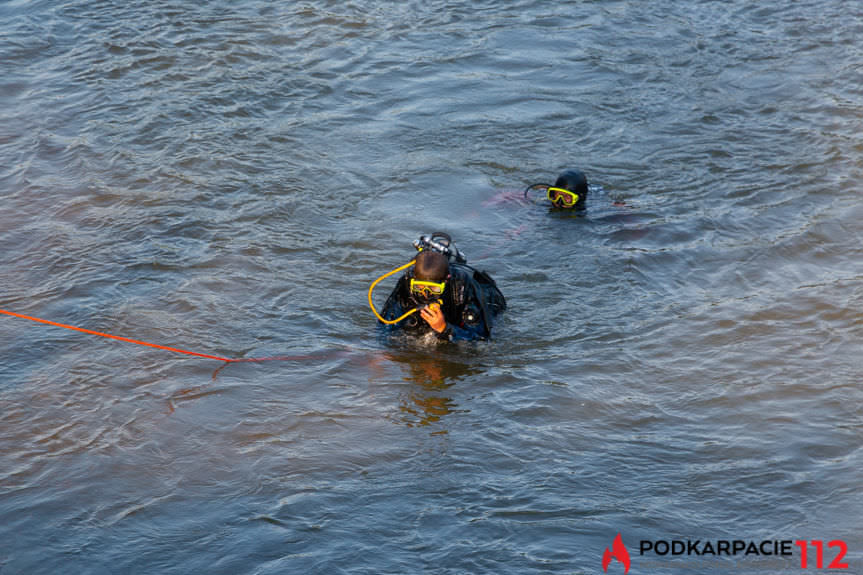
(108, 335)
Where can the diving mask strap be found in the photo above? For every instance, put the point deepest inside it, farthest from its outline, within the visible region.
(532, 186)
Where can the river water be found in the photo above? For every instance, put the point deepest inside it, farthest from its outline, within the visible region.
(682, 362)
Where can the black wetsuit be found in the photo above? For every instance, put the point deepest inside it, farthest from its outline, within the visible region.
(471, 300)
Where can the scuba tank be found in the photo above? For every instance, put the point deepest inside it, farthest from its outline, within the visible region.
(441, 243)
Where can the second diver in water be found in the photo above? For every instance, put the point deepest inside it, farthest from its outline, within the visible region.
(569, 191)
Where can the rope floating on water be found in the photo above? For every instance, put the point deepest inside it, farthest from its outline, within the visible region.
(128, 340)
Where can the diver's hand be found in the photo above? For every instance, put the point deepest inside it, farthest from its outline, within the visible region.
(434, 317)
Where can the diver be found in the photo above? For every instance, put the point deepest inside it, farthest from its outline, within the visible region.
(455, 301)
(569, 191)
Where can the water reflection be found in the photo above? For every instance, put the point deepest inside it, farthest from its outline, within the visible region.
(430, 395)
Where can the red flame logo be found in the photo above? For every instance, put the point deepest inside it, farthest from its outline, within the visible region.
(618, 552)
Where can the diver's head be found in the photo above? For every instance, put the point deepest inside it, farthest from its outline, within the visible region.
(569, 190)
(431, 271)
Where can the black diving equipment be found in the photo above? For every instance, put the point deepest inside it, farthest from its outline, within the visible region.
(442, 243)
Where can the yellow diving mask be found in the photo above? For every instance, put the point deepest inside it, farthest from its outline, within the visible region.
(562, 197)
(427, 289)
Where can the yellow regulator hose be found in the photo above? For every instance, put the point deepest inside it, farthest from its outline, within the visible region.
(376, 282)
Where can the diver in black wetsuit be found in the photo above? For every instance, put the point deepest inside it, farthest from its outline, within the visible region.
(568, 192)
(457, 301)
